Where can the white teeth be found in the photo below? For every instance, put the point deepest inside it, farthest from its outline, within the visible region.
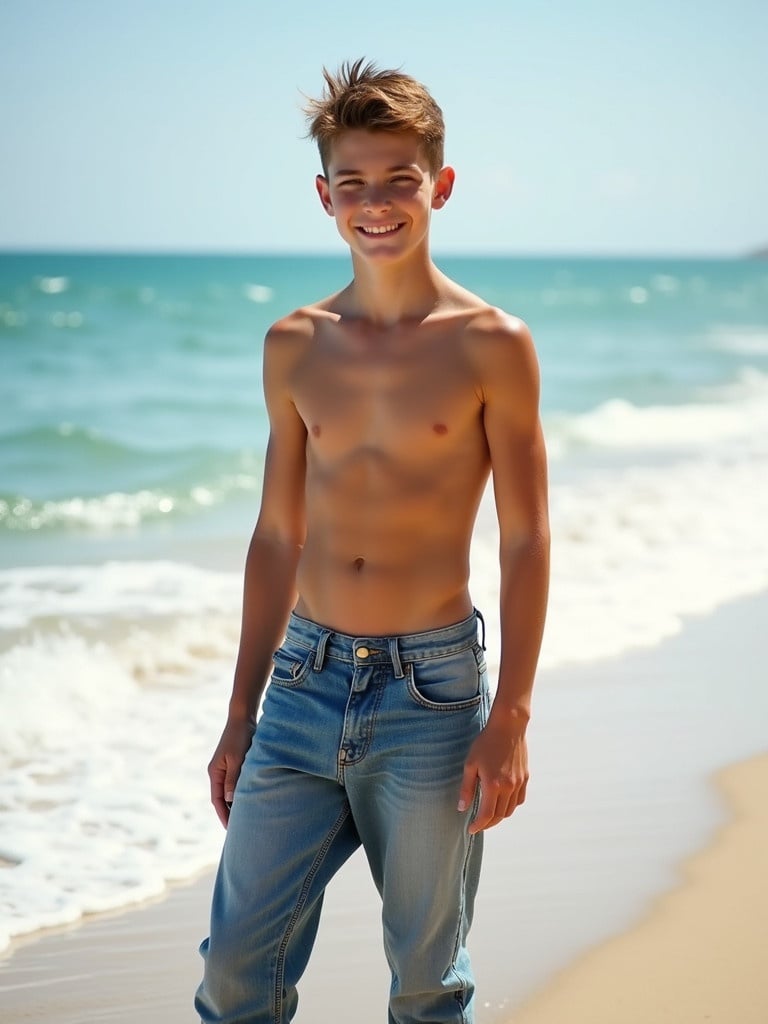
(384, 229)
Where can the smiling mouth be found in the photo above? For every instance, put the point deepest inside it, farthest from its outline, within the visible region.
(378, 229)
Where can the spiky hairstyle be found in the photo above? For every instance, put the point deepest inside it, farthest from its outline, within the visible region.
(359, 95)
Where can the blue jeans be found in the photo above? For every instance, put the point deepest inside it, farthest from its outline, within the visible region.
(360, 740)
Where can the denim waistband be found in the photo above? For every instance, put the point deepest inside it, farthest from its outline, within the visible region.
(371, 650)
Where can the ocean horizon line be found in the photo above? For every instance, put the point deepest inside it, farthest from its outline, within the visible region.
(237, 253)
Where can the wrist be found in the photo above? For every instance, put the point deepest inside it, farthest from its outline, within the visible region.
(514, 716)
(239, 713)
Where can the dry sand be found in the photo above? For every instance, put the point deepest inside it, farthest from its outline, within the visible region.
(702, 952)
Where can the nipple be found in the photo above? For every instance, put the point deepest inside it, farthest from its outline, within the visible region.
(440, 428)
(359, 563)
(316, 430)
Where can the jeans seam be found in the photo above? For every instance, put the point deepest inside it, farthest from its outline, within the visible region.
(442, 709)
(371, 723)
(369, 727)
(299, 675)
(300, 903)
(457, 941)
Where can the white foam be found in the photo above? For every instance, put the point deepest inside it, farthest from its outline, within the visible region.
(636, 549)
(118, 509)
(111, 711)
(114, 591)
(258, 292)
(52, 285)
(641, 550)
(741, 339)
(618, 424)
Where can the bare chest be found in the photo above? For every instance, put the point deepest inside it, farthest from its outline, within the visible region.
(404, 404)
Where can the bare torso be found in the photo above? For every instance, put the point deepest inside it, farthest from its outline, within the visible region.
(396, 463)
(388, 404)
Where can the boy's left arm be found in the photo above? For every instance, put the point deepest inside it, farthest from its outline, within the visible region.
(509, 377)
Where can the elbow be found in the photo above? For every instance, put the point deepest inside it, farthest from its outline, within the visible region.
(534, 541)
(527, 555)
(287, 536)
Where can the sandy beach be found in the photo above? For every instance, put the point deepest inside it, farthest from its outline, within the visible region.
(629, 887)
(700, 955)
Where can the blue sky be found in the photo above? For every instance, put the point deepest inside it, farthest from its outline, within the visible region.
(574, 127)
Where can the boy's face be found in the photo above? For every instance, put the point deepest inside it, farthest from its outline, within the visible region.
(381, 192)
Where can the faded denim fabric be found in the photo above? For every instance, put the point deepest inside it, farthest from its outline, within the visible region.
(360, 740)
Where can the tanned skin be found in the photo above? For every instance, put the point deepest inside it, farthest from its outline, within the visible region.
(390, 403)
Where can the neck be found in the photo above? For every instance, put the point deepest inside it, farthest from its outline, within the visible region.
(388, 294)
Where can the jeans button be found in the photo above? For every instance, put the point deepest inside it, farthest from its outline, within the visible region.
(363, 652)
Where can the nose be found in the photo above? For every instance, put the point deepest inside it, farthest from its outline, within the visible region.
(376, 199)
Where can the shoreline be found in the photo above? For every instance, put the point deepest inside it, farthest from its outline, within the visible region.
(699, 952)
(602, 835)
(681, 942)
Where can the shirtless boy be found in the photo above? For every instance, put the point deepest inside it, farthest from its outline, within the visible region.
(389, 405)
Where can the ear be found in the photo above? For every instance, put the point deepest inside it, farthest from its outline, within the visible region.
(324, 191)
(443, 187)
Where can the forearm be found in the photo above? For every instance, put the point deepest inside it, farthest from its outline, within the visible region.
(524, 588)
(269, 593)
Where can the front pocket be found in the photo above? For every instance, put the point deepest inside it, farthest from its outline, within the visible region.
(449, 683)
(291, 664)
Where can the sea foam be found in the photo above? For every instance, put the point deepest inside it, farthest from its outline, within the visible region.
(114, 678)
(673, 527)
(736, 411)
(112, 706)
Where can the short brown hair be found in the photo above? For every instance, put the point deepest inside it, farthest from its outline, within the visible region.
(359, 95)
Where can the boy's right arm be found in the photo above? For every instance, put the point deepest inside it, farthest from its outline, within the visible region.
(269, 591)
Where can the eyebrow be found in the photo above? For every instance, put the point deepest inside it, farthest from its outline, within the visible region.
(390, 170)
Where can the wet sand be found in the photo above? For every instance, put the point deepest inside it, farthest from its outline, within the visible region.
(623, 753)
(700, 955)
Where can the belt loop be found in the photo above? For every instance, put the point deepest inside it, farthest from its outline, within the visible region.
(482, 627)
(394, 654)
(320, 653)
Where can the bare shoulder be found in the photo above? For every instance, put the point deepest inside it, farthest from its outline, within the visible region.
(290, 332)
(494, 331)
(285, 343)
(503, 355)
(289, 338)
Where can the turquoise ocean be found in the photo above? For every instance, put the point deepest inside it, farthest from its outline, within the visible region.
(132, 432)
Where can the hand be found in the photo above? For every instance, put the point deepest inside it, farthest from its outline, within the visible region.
(227, 760)
(498, 762)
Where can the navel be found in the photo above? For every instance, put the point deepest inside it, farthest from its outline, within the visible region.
(440, 428)
(316, 430)
(358, 563)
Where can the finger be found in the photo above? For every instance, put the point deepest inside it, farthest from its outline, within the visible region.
(222, 811)
(511, 804)
(468, 787)
(217, 776)
(230, 782)
(486, 811)
(516, 797)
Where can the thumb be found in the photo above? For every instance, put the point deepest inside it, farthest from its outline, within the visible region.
(468, 787)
